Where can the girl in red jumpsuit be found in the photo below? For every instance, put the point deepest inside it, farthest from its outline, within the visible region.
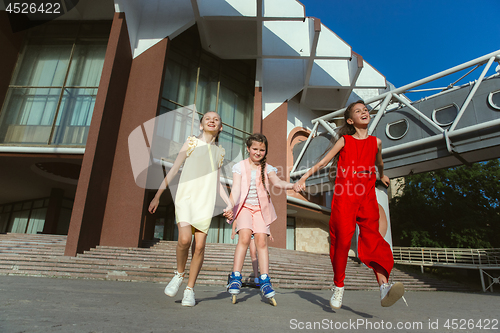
(354, 202)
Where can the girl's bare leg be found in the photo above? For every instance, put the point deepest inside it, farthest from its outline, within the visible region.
(381, 278)
(380, 273)
(253, 256)
(262, 252)
(183, 244)
(198, 256)
(244, 236)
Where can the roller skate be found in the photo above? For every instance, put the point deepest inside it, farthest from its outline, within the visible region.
(267, 289)
(234, 285)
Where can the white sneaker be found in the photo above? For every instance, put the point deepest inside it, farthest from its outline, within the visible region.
(336, 300)
(188, 299)
(391, 293)
(174, 284)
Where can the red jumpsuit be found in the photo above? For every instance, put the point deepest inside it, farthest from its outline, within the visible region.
(354, 201)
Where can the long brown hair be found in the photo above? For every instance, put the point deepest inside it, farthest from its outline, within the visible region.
(346, 129)
(258, 137)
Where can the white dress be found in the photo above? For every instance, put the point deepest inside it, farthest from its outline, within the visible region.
(198, 184)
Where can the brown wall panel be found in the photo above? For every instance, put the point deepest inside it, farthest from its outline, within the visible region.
(274, 127)
(257, 110)
(93, 185)
(125, 209)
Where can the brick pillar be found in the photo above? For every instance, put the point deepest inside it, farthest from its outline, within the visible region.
(257, 110)
(93, 185)
(274, 127)
(127, 203)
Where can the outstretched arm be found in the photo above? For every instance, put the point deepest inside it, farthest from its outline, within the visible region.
(321, 164)
(170, 175)
(276, 181)
(379, 163)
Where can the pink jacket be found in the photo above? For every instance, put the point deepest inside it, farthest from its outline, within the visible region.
(266, 205)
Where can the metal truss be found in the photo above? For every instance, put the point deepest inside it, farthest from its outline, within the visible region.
(397, 96)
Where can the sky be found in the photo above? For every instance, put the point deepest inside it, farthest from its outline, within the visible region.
(408, 40)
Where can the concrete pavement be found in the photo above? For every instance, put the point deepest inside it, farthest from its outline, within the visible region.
(37, 304)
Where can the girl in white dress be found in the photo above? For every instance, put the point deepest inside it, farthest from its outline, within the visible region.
(194, 200)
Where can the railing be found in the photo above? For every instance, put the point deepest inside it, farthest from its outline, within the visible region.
(429, 256)
(480, 259)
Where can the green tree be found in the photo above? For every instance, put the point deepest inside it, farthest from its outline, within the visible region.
(455, 207)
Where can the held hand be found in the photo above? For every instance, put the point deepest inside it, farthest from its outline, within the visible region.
(233, 234)
(228, 213)
(299, 186)
(271, 238)
(385, 180)
(154, 205)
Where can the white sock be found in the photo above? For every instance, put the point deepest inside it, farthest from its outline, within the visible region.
(237, 274)
(263, 276)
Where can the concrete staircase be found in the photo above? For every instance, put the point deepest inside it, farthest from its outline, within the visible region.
(43, 255)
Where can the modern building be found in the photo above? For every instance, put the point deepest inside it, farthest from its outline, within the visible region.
(73, 89)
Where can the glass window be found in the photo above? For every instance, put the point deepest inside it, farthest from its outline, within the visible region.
(194, 76)
(19, 221)
(494, 99)
(52, 93)
(36, 221)
(29, 216)
(213, 232)
(4, 222)
(38, 204)
(444, 116)
(397, 129)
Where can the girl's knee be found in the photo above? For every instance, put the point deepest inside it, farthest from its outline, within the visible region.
(244, 237)
(199, 249)
(184, 242)
(260, 240)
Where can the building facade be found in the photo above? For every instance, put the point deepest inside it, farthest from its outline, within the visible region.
(73, 89)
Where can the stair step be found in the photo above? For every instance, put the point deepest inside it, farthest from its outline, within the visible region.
(43, 255)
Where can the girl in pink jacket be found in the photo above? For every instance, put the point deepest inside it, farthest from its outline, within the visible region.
(253, 211)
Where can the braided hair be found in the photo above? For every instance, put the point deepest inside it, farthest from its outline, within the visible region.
(258, 137)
